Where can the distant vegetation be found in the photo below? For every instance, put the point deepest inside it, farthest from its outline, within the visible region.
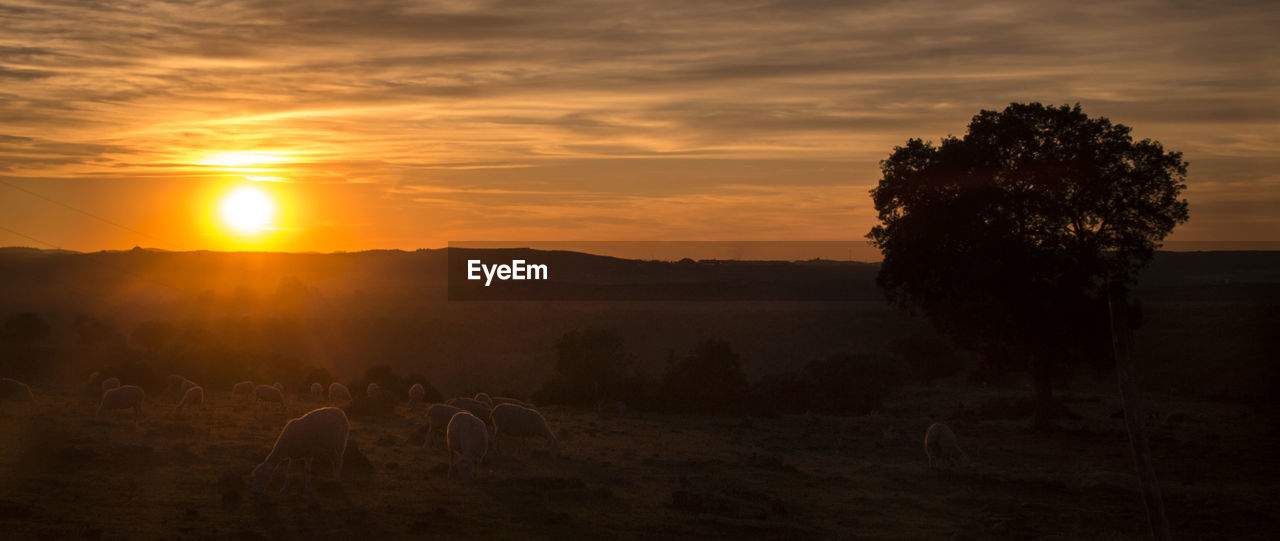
(333, 322)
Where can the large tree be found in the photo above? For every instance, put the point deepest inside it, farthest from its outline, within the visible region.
(1013, 238)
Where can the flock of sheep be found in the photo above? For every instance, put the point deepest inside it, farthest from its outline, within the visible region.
(471, 426)
(322, 432)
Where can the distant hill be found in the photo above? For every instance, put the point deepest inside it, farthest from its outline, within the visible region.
(43, 279)
(277, 315)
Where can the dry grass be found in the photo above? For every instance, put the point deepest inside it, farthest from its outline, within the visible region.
(65, 475)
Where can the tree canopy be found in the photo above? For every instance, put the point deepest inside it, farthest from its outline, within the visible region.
(1014, 234)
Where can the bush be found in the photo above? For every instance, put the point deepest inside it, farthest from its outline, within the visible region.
(708, 380)
(591, 367)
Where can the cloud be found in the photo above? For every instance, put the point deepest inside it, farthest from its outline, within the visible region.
(660, 100)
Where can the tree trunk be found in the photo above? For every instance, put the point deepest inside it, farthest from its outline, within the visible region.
(1042, 374)
(1133, 420)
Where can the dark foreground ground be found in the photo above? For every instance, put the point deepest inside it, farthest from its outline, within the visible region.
(64, 475)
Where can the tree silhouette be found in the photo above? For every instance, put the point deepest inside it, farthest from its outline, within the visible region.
(591, 366)
(1015, 236)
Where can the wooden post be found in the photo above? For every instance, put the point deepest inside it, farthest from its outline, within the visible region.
(1133, 420)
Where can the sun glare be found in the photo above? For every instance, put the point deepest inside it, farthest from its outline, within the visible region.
(247, 210)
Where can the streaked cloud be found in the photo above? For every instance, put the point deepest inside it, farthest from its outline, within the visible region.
(575, 119)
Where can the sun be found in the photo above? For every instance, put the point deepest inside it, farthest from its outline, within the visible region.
(247, 210)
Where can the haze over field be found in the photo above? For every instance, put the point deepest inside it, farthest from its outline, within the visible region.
(390, 124)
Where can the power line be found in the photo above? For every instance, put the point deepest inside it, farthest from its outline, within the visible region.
(29, 237)
(112, 268)
(84, 212)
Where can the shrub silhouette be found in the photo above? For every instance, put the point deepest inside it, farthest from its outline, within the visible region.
(591, 367)
(708, 380)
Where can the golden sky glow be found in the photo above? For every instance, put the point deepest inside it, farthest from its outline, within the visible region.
(408, 124)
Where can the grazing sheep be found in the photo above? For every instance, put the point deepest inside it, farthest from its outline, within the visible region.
(268, 393)
(110, 383)
(438, 416)
(244, 388)
(941, 446)
(372, 390)
(16, 391)
(178, 386)
(476, 407)
(322, 432)
(317, 391)
(192, 397)
(484, 397)
(122, 397)
(416, 393)
(520, 422)
(468, 437)
(338, 393)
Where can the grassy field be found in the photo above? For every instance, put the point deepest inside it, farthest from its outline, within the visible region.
(65, 475)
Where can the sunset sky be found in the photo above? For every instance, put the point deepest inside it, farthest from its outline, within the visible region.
(406, 125)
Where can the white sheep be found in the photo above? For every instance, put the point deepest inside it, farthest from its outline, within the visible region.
(110, 383)
(338, 393)
(16, 391)
(416, 394)
(372, 390)
(268, 393)
(484, 397)
(515, 421)
(317, 391)
(321, 433)
(476, 407)
(244, 388)
(122, 397)
(193, 396)
(467, 437)
(438, 416)
(941, 446)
